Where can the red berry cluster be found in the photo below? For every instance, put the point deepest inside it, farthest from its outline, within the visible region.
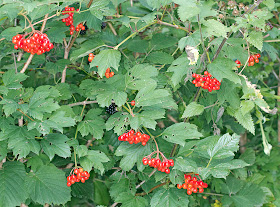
(134, 138)
(192, 185)
(254, 59)
(90, 57)
(162, 166)
(206, 81)
(81, 175)
(38, 43)
(69, 20)
(109, 73)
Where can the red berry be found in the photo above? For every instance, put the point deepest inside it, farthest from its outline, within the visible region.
(189, 192)
(132, 103)
(179, 186)
(69, 184)
(257, 60)
(167, 171)
(201, 190)
(237, 62)
(258, 55)
(251, 59)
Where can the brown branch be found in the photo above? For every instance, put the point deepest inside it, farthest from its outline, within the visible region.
(66, 55)
(2, 162)
(42, 21)
(171, 25)
(157, 186)
(82, 103)
(31, 56)
(171, 118)
(30, 24)
(276, 16)
(89, 3)
(252, 7)
(242, 142)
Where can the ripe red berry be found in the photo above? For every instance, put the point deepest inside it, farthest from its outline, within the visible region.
(132, 103)
(179, 186)
(69, 184)
(257, 60)
(237, 62)
(251, 59)
(258, 55)
(189, 192)
(201, 190)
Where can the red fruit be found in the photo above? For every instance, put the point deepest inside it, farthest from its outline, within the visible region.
(111, 74)
(205, 185)
(257, 60)
(83, 180)
(179, 186)
(71, 33)
(185, 186)
(206, 73)
(201, 190)
(189, 192)
(194, 190)
(132, 103)
(72, 181)
(258, 55)
(237, 62)
(144, 143)
(76, 171)
(69, 179)
(200, 183)
(194, 179)
(251, 59)
(188, 177)
(69, 184)
(81, 170)
(86, 174)
(138, 134)
(193, 75)
(90, 58)
(107, 75)
(167, 171)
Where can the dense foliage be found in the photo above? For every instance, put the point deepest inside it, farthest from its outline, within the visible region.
(139, 103)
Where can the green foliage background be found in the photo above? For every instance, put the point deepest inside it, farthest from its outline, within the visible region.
(228, 137)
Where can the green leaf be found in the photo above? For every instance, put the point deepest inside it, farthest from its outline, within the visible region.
(225, 146)
(146, 118)
(12, 190)
(106, 59)
(57, 121)
(10, 106)
(83, 190)
(179, 132)
(161, 41)
(92, 124)
(269, 3)
(10, 32)
(97, 8)
(156, 4)
(94, 158)
(138, 46)
(86, 48)
(48, 185)
(256, 38)
(12, 80)
(186, 11)
(171, 197)
(180, 67)
(216, 28)
(56, 67)
(119, 187)
(129, 200)
(246, 106)
(245, 120)
(56, 144)
(232, 97)
(150, 96)
(57, 32)
(176, 176)
(118, 121)
(132, 154)
(40, 104)
(185, 165)
(250, 195)
(160, 58)
(193, 109)
(222, 68)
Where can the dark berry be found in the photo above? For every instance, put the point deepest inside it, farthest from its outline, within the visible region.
(111, 109)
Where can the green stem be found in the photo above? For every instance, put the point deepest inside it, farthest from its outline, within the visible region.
(133, 34)
(209, 162)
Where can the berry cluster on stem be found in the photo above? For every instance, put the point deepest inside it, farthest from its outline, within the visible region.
(192, 185)
(134, 138)
(162, 166)
(206, 81)
(111, 109)
(69, 20)
(81, 176)
(90, 57)
(38, 43)
(109, 73)
(254, 59)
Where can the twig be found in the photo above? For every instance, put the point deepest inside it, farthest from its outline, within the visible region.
(171, 118)
(41, 21)
(89, 3)
(150, 175)
(82, 103)
(14, 56)
(30, 24)
(271, 40)
(112, 28)
(157, 186)
(66, 55)
(44, 23)
(171, 25)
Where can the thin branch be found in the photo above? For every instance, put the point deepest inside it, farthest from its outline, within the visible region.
(172, 25)
(89, 3)
(157, 186)
(112, 28)
(82, 103)
(30, 24)
(44, 23)
(41, 21)
(15, 61)
(271, 40)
